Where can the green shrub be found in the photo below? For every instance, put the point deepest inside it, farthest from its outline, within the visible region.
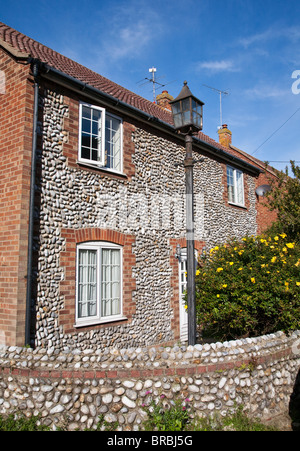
(163, 416)
(177, 415)
(249, 288)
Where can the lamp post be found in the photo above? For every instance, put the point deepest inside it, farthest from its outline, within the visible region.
(187, 113)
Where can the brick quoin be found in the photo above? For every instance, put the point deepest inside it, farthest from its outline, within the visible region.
(16, 112)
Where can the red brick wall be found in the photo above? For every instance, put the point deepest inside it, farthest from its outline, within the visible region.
(16, 108)
(265, 217)
(74, 237)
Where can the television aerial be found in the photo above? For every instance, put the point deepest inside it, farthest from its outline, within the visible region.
(224, 93)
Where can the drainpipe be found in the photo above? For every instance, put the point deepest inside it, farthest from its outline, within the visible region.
(35, 70)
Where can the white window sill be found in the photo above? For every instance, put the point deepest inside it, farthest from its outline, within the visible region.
(238, 205)
(100, 168)
(97, 322)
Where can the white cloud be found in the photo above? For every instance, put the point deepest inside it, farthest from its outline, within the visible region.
(273, 33)
(218, 66)
(132, 27)
(266, 92)
(129, 41)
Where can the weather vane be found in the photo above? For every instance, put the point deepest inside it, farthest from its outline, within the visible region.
(154, 82)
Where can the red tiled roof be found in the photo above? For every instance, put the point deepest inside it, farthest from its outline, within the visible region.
(26, 45)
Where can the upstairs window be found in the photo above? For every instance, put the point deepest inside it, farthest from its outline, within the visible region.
(235, 186)
(100, 138)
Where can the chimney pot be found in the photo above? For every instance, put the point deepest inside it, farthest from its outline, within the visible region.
(163, 100)
(225, 136)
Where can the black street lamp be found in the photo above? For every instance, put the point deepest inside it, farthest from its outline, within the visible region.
(187, 113)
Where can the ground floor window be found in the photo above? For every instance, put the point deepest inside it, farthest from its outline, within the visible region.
(98, 282)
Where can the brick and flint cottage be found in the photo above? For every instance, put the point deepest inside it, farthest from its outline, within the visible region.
(92, 205)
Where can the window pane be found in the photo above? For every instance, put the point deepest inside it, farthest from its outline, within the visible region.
(85, 140)
(111, 282)
(230, 184)
(112, 142)
(85, 153)
(197, 119)
(239, 187)
(86, 125)
(87, 283)
(95, 128)
(91, 134)
(178, 120)
(186, 105)
(231, 194)
(176, 108)
(196, 107)
(86, 111)
(94, 142)
(96, 115)
(186, 117)
(95, 156)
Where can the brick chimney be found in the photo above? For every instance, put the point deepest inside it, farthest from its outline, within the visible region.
(164, 99)
(224, 136)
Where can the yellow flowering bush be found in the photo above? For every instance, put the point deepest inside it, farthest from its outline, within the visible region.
(248, 288)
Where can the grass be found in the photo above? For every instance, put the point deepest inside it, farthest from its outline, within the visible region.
(235, 422)
(19, 422)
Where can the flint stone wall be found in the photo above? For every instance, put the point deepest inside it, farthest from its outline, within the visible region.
(74, 387)
(148, 205)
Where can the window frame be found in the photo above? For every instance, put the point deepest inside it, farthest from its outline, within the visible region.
(236, 201)
(101, 163)
(98, 318)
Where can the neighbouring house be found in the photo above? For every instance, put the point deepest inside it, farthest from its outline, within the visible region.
(92, 205)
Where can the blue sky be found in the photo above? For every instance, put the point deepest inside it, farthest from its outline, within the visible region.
(249, 48)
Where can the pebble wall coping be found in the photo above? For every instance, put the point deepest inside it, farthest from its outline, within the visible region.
(180, 360)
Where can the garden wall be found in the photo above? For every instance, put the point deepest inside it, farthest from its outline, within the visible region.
(74, 387)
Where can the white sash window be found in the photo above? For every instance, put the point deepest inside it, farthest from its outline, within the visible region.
(235, 186)
(99, 283)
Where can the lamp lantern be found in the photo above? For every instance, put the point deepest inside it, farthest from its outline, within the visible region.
(187, 111)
